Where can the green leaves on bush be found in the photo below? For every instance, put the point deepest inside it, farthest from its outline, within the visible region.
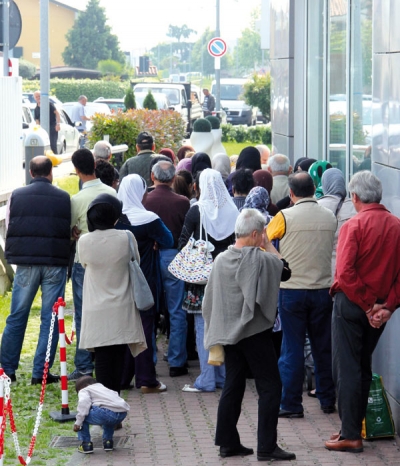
(166, 126)
(149, 102)
(215, 123)
(68, 90)
(253, 134)
(129, 100)
(202, 125)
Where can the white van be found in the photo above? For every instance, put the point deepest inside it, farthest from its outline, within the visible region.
(232, 101)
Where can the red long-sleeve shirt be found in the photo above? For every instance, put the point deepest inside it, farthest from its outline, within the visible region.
(368, 258)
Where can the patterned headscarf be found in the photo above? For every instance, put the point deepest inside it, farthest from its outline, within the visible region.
(258, 198)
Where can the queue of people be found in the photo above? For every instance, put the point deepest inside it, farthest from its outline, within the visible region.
(287, 264)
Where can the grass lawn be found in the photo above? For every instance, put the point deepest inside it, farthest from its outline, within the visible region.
(234, 148)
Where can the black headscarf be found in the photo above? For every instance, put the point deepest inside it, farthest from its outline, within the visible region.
(200, 161)
(297, 163)
(306, 164)
(103, 212)
(249, 158)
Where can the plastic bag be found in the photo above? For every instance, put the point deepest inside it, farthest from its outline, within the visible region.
(378, 420)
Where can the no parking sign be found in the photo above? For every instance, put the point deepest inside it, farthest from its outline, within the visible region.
(217, 47)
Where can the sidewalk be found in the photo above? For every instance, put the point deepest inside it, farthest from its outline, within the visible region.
(177, 428)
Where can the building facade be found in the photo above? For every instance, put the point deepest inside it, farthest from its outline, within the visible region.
(335, 96)
(61, 20)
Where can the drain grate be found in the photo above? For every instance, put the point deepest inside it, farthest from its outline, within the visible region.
(125, 441)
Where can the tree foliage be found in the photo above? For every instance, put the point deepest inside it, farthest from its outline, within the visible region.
(27, 69)
(110, 67)
(129, 100)
(90, 39)
(248, 50)
(149, 102)
(257, 93)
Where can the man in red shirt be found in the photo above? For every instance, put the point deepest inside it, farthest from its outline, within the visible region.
(366, 292)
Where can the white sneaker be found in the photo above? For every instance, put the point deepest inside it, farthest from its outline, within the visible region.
(190, 389)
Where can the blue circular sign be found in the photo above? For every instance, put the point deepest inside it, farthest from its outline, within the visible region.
(217, 47)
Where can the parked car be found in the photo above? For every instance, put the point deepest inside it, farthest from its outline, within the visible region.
(91, 109)
(114, 104)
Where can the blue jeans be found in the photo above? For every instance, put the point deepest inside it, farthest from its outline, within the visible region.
(27, 281)
(174, 289)
(83, 359)
(211, 377)
(301, 311)
(103, 417)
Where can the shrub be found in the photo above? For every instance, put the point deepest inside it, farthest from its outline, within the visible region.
(254, 134)
(129, 100)
(241, 134)
(27, 69)
(166, 126)
(266, 135)
(110, 67)
(225, 132)
(215, 123)
(68, 90)
(202, 126)
(149, 102)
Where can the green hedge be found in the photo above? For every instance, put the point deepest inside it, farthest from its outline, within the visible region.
(68, 90)
(166, 126)
(254, 134)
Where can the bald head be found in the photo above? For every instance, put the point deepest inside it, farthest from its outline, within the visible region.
(36, 96)
(41, 166)
(301, 185)
(163, 172)
(264, 153)
(102, 150)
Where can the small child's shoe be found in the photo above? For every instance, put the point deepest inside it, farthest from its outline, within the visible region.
(108, 445)
(86, 448)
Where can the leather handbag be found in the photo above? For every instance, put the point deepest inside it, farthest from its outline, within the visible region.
(194, 262)
(142, 294)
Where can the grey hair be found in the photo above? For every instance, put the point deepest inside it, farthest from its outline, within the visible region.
(248, 221)
(163, 171)
(279, 163)
(82, 97)
(262, 147)
(102, 150)
(367, 186)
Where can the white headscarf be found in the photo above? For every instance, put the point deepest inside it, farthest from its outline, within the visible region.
(131, 191)
(217, 209)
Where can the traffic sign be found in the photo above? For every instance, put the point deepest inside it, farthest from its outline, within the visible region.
(217, 47)
(15, 25)
(9, 67)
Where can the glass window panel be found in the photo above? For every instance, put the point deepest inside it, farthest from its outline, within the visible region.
(337, 100)
(361, 86)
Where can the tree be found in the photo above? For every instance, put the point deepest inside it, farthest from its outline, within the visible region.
(90, 39)
(129, 100)
(177, 32)
(110, 67)
(248, 50)
(257, 93)
(149, 102)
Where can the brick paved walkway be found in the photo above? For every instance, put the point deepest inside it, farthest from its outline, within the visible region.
(177, 428)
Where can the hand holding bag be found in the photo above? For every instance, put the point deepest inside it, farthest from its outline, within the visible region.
(141, 291)
(194, 262)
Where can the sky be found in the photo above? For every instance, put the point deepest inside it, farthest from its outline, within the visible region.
(140, 25)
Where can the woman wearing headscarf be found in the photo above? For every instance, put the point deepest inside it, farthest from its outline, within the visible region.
(264, 178)
(334, 199)
(316, 171)
(110, 319)
(258, 198)
(185, 164)
(222, 164)
(169, 153)
(151, 234)
(200, 161)
(249, 157)
(218, 217)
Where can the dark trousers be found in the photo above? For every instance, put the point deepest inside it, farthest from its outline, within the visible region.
(108, 365)
(257, 354)
(354, 341)
(142, 367)
(53, 140)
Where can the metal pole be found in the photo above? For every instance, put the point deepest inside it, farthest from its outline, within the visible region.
(6, 35)
(217, 71)
(44, 65)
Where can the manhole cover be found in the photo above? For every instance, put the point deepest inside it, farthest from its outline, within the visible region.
(71, 442)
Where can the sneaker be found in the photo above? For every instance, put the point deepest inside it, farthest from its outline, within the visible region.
(86, 448)
(78, 374)
(189, 388)
(108, 445)
(160, 388)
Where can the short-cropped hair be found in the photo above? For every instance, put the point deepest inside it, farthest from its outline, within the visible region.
(41, 168)
(163, 172)
(279, 163)
(105, 172)
(102, 150)
(83, 160)
(243, 181)
(301, 184)
(367, 186)
(249, 220)
(84, 382)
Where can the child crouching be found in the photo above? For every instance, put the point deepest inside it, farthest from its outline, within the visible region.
(100, 406)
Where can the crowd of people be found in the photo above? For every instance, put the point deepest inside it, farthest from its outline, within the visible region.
(294, 257)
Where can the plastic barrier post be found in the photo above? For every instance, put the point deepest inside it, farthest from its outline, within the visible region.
(1, 416)
(65, 415)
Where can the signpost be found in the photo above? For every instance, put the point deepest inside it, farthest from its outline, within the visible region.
(10, 30)
(217, 48)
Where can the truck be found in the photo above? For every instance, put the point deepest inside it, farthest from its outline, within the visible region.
(180, 99)
(232, 101)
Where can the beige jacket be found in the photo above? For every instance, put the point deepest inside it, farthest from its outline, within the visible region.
(109, 314)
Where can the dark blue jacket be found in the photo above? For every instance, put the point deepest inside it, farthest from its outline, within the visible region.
(39, 227)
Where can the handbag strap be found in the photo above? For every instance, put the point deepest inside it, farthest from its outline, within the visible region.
(131, 245)
(201, 227)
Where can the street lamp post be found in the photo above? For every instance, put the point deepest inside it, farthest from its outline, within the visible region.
(217, 69)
